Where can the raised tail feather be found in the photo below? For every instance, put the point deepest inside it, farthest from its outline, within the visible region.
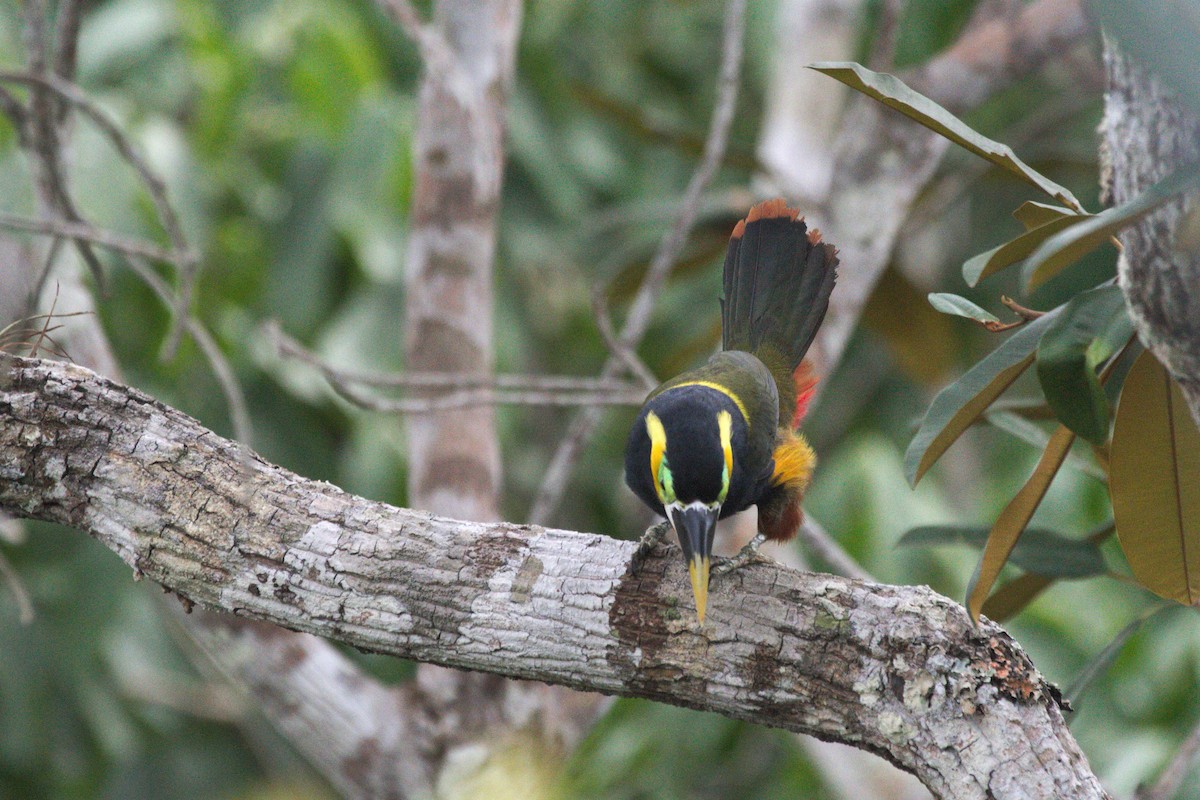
(778, 278)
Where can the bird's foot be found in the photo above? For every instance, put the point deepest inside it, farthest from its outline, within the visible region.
(650, 539)
(746, 555)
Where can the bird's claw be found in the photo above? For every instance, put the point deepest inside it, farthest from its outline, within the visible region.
(650, 539)
(746, 555)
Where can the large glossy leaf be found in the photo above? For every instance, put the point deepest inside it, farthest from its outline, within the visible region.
(1011, 598)
(1033, 434)
(1092, 328)
(1032, 214)
(960, 306)
(1065, 248)
(1155, 482)
(981, 266)
(892, 92)
(1039, 550)
(958, 405)
(1014, 518)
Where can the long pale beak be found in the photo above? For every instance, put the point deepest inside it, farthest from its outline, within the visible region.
(695, 526)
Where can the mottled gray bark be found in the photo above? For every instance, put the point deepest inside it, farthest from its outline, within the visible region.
(1148, 135)
(899, 671)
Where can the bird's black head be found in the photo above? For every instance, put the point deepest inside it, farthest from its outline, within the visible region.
(680, 460)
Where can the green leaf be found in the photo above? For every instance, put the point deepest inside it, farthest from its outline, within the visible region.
(1154, 482)
(1011, 598)
(1011, 523)
(1039, 550)
(981, 266)
(960, 306)
(1031, 433)
(958, 405)
(892, 92)
(1031, 214)
(1072, 244)
(1093, 327)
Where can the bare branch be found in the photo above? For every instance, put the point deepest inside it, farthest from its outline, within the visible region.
(1170, 781)
(288, 347)
(349, 726)
(230, 388)
(432, 46)
(628, 357)
(817, 539)
(638, 319)
(42, 133)
(79, 230)
(486, 396)
(897, 670)
(66, 38)
(185, 259)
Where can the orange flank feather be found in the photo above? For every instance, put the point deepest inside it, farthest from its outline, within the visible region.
(794, 461)
(779, 518)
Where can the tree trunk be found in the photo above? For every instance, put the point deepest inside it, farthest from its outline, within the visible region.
(1149, 134)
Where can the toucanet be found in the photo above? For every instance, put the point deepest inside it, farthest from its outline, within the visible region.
(718, 439)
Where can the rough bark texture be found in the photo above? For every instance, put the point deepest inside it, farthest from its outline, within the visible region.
(1149, 134)
(473, 728)
(899, 671)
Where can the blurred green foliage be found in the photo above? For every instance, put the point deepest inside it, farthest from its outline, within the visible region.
(284, 131)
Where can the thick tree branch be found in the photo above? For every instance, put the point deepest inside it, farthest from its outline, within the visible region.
(1149, 134)
(899, 671)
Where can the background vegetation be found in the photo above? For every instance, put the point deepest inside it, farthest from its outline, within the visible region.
(284, 130)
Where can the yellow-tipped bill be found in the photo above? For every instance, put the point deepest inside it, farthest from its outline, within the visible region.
(698, 569)
(695, 524)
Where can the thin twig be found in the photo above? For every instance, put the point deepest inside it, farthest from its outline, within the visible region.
(628, 357)
(638, 319)
(185, 259)
(287, 347)
(469, 398)
(1028, 314)
(817, 539)
(432, 47)
(1170, 780)
(79, 230)
(12, 108)
(20, 594)
(243, 430)
(66, 38)
(43, 132)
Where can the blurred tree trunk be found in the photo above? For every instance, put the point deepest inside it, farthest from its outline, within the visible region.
(483, 736)
(1148, 135)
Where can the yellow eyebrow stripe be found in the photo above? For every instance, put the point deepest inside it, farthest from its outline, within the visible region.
(737, 401)
(658, 445)
(725, 426)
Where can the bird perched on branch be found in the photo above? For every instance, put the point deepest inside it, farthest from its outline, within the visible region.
(716, 440)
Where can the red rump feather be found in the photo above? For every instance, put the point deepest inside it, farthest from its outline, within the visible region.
(805, 378)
